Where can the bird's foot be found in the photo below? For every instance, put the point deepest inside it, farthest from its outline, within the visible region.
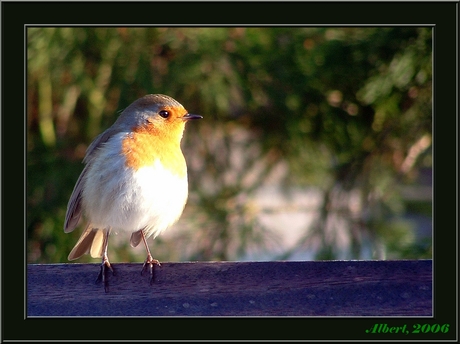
(103, 274)
(149, 262)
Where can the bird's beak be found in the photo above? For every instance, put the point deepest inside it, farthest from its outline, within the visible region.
(191, 116)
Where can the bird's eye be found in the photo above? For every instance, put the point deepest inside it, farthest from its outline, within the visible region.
(164, 113)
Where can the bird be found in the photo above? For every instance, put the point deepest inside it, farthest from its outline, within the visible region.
(134, 180)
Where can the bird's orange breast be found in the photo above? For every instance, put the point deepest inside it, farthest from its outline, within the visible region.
(143, 146)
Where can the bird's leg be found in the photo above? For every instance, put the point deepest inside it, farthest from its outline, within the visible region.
(105, 266)
(149, 260)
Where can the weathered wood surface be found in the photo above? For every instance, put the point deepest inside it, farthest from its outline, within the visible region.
(318, 288)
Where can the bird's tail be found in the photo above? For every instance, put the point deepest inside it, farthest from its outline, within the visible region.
(93, 241)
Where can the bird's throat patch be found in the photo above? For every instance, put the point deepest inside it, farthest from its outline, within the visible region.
(143, 148)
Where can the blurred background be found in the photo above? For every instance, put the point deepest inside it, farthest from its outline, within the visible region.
(316, 143)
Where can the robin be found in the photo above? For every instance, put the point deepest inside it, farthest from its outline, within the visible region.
(134, 180)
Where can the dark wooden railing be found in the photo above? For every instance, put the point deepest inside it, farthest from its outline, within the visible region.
(275, 288)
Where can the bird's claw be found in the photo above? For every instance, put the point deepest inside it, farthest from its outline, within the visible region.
(102, 277)
(149, 262)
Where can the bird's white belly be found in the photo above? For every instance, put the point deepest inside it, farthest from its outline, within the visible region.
(150, 198)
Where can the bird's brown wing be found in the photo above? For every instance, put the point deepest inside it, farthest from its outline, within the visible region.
(74, 207)
(73, 213)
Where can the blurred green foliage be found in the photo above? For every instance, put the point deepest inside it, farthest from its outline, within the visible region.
(347, 111)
